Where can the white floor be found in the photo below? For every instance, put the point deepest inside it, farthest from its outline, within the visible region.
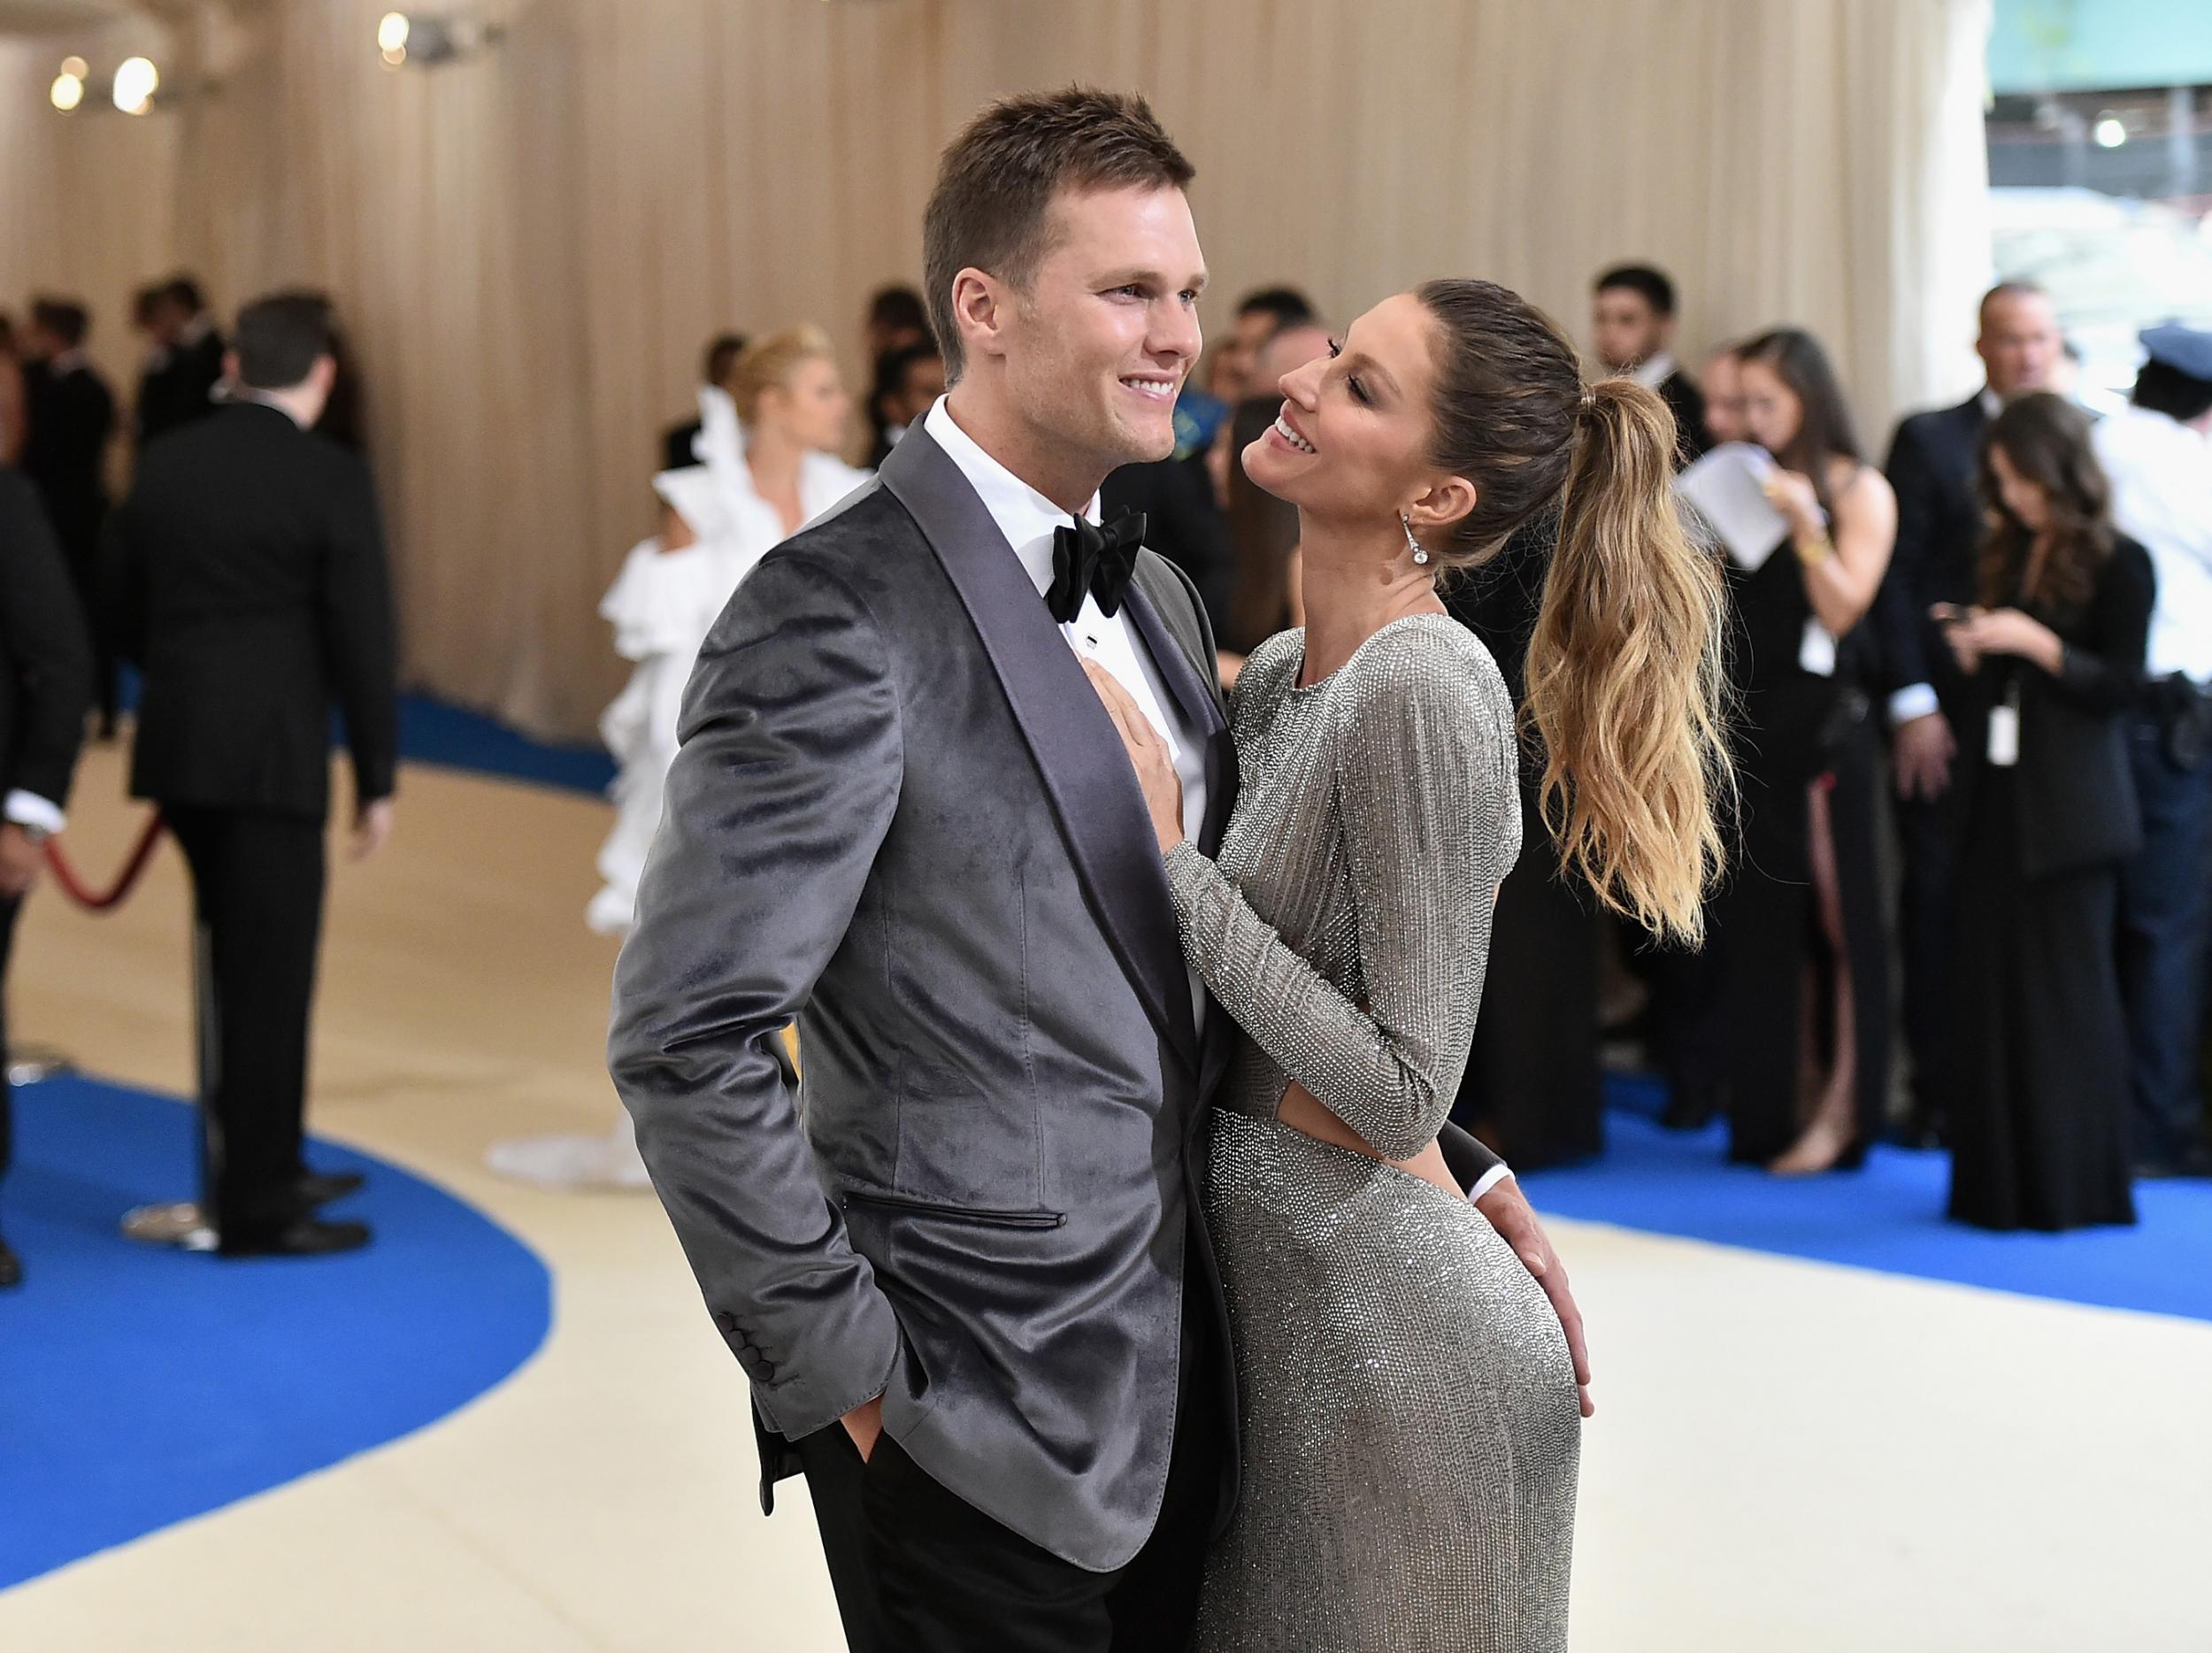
(1787, 1455)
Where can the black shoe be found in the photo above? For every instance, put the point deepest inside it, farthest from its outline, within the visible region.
(319, 1187)
(308, 1237)
(1690, 1111)
(10, 1267)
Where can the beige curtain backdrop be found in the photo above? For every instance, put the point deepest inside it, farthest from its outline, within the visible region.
(531, 247)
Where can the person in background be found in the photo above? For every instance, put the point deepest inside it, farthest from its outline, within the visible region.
(1261, 315)
(1263, 529)
(678, 442)
(345, 415)
(71, 420)
(12, 414)
(909, 381)
(1933, 466)
(252, 590)
(2052, 659)
(184, 363)
(1723, 398)
(897, 320)
(2157, 453)
(45, 682)
(1803, 963)
(1633, 324)
(775, 461)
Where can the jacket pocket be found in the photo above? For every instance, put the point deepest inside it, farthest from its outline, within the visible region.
(965, 1145)
(989, 1217)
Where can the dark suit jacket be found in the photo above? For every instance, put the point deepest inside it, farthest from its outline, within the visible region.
(1931, 462)
(2076, 790)
(900, 815)
(1682, 396)
(1183, 522)
(45, 661)
(71, 419)
(182, 390)
(250, 587)
(676, 450)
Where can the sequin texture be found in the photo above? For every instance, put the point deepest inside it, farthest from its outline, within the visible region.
(1412, 1432)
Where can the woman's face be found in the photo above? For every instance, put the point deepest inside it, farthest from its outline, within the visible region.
(1770, 408)
(1724, 400)
(1351, 442)
(810, 407)
(2029, 502)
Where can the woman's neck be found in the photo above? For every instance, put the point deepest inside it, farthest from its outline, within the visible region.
(1355, 580)
(774, 459)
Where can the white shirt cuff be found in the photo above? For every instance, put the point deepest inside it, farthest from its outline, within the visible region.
(1489, 1180)
(27, 809)
(1915, 701)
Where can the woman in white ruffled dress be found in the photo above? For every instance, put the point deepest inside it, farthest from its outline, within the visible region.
(769, 450)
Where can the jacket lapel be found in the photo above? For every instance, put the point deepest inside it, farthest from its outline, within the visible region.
(1095, 799)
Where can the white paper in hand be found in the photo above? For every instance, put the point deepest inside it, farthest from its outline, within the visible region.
(1726, 488)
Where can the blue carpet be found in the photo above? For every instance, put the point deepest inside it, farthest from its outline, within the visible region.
(431, 732)
(139, 1387)
(1888, 1216)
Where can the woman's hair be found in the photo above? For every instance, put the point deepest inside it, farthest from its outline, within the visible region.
(2045, 439)
(1624, 669)
(770, 364)
(1827, 431)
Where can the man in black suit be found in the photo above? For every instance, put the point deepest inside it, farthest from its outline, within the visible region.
(1932, 466)
(70, 414)
(714, 371)
(1632, 324)
(252, 591)
(184, 363)
(45, 680)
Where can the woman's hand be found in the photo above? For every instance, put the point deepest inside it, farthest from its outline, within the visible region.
(1792, 492)
(1147, 753)
(2008, 631)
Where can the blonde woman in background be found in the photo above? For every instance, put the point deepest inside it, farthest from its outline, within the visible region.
(770, 446)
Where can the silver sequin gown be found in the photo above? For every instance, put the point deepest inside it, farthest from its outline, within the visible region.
(1411, 1431)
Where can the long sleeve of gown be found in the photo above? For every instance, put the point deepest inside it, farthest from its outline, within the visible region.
(1425, 787)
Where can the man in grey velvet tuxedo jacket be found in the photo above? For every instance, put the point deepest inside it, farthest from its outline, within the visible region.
(901, 816)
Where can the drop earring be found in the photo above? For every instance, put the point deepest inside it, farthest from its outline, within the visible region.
(1420, 557)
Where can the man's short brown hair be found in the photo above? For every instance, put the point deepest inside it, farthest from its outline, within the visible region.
(996, 181)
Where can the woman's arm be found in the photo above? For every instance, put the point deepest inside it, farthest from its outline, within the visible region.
(1424, 785)
(1842, 567)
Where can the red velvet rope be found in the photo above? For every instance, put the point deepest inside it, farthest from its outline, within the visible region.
(133, 869)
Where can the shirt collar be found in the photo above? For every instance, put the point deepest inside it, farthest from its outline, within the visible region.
(1025, 517)
(1655, 370)
(1992, 404)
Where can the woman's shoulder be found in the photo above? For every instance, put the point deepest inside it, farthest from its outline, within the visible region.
(1271, 669)
(1856, 482)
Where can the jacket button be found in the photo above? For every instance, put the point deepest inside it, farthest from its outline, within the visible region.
(726, 1324)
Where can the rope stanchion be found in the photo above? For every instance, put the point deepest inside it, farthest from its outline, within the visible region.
(102, 901)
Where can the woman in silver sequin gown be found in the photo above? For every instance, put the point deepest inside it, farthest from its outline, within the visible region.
(1411, 1429)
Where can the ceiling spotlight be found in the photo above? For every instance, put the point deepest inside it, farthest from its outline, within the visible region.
(2111, 132)
(423, 39)
(76, 67)
(136, 81)
(67, 91)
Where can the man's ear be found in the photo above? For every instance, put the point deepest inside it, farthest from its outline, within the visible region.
(981, 307)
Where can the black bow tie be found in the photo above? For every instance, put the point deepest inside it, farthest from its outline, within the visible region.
(1089, 558)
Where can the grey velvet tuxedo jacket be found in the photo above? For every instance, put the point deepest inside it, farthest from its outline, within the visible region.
(899, 816)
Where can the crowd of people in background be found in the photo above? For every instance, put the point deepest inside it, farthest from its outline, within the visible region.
(1971, 893)
(242, 572)
(1970, 887)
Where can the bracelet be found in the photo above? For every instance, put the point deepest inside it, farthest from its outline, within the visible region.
(1814, 552)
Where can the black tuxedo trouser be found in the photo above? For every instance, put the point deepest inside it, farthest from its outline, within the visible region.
(258, 893)
(917, 1570)
(9, 908)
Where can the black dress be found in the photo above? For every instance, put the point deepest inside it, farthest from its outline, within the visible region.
(2038, 1093)
(1533, 1085)
(1794, 728)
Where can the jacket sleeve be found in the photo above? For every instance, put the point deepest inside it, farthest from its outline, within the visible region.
(1900, 622)
(43, 645)
(359, 640)
(779, 799)
(2106, 672)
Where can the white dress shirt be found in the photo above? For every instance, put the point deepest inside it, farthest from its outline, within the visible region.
(1655, 370)
(1027, 519)
(2161, 471)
